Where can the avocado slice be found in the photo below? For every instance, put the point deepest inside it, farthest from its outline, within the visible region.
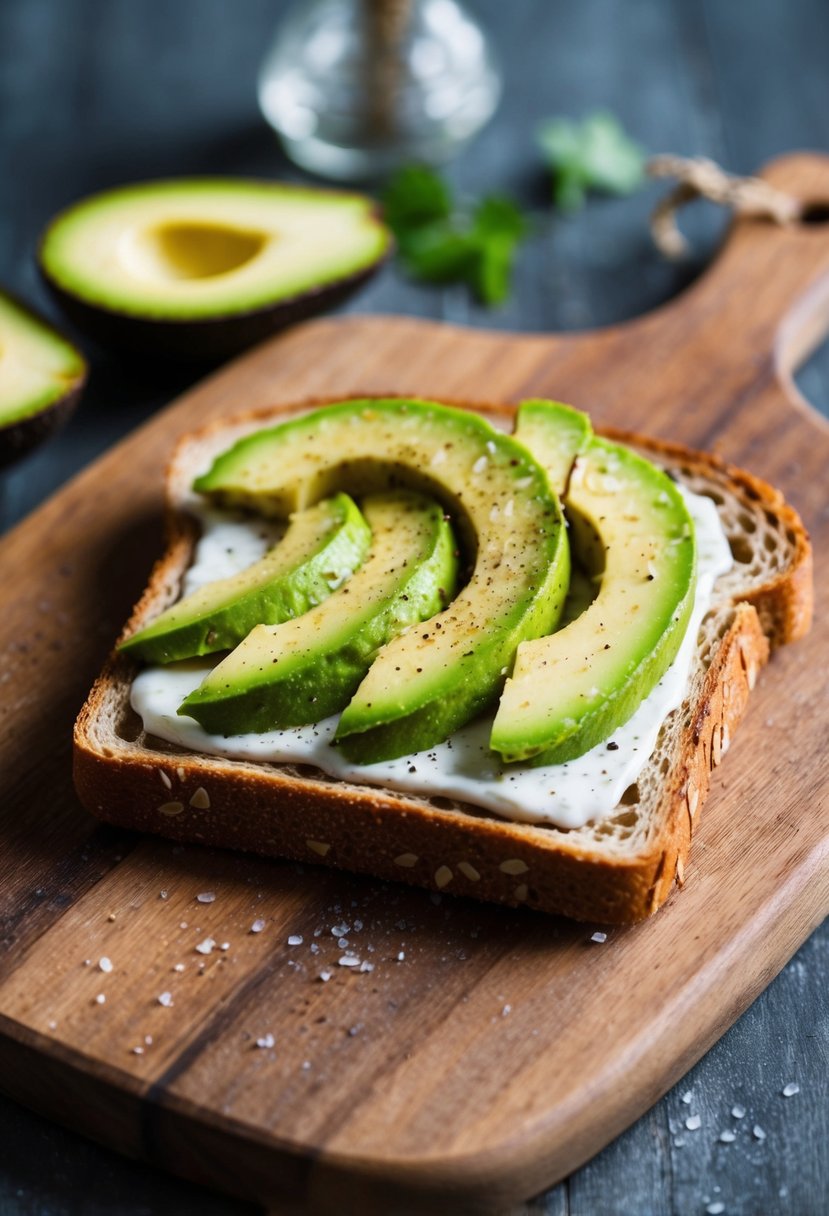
(428, 682)
(41, 379)
(321, 548)
(203, 267)
(305, 669)
(554, 433)
(631, 529)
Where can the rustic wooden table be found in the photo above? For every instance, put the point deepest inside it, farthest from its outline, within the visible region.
(97, 92)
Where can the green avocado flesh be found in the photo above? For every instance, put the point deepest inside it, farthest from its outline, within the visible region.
(321, 548)
(427, 682)
(555, 434)
(37, 366)
(305, 669)
(212, 247)
(631, 529)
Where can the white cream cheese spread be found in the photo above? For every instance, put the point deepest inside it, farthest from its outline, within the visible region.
(564, 795)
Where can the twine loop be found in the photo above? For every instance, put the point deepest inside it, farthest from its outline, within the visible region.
(698, 177)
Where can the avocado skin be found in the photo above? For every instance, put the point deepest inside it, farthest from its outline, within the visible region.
(19, 438)
(323, 682)
(209, 339)
(286, 595)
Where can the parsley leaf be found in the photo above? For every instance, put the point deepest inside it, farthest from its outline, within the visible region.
(594, 154)
(442, 243)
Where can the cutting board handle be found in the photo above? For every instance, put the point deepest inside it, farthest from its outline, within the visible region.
(768, 289)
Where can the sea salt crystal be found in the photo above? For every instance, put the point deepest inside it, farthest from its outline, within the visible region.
(257, 926)
(716, 1208)
(366, 966)
(295, 939)
(738, 1112)
(340, 930)
(401, 956)
(166, 999)
(727, 1137)
(686, 1097)
(105, 964)
(757, 1132)
(267, 1040)
(789, 1091)
(598, 937)
(206, 946)
(693, 1123)
(206, 897)
(349, 960)
(100, 999)
(325, 976)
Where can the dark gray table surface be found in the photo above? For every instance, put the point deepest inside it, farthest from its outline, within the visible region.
(98, 92)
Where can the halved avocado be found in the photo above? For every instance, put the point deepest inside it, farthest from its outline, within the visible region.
(41, 379)
(632, 530)
(321, 548)
(306, 669)
(203, 267)
(425, 684)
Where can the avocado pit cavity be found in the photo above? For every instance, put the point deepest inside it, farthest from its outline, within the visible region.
(175, 251)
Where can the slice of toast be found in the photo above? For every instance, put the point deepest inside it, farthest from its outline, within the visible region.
(616, 870)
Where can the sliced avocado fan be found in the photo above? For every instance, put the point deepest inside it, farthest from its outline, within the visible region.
(306, 669)
(632, 529)
(425, 683)
(321, 548)
(41, 375)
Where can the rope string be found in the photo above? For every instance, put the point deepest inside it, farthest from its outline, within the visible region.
(699, 177)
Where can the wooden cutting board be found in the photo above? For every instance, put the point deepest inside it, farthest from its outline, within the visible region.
(489, 1052)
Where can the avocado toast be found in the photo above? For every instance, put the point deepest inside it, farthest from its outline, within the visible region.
(619, 868)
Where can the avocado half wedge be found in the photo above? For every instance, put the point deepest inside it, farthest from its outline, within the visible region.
(41, 379)
(203, 267)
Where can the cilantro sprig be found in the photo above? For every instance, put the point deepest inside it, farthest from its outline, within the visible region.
(442, 242)
(594, 154)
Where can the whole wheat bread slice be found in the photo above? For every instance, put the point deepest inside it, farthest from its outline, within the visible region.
(616, 870)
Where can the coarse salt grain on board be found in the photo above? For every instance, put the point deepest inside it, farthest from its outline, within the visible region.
(267, 1040)
(166, 999)
(693, 1123)
(206, 897)
(205, 947)
(789, 1090)
(105, 964)
(257, 926)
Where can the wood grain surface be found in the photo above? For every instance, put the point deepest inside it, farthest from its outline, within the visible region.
(501, 1049)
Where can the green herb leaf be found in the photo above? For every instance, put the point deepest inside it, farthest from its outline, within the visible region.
(440, 243)
(416, 195)
(595, 154)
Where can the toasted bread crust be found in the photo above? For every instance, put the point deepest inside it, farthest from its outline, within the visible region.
(265, 809)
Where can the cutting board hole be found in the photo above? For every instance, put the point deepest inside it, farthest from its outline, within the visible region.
(815, 213)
